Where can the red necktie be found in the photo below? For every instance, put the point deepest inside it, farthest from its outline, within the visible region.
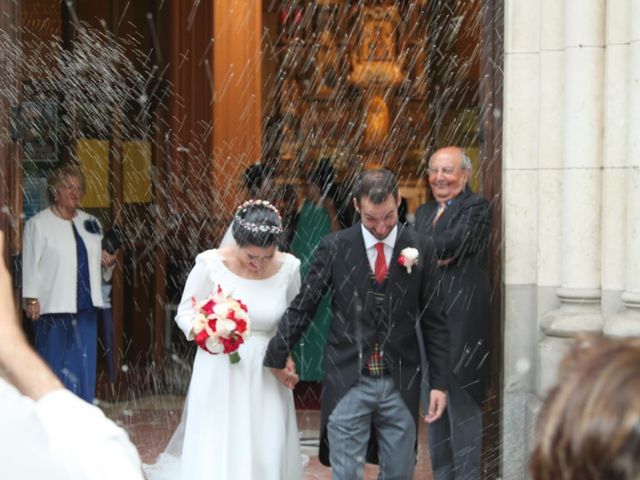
(381, 263)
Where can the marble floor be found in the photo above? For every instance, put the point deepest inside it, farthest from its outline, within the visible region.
(150, 422)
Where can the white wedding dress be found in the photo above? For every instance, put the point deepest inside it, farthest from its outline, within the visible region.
(239, 422)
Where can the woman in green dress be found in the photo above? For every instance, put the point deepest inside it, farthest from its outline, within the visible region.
(317, 218)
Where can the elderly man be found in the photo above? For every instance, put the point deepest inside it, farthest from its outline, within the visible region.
(457, 221)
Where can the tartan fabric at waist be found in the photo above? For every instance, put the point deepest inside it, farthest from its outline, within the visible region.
(375, 364)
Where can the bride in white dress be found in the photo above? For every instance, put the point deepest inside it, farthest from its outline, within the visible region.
(239, 421)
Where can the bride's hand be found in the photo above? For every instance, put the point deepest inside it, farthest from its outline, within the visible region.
(285, 377)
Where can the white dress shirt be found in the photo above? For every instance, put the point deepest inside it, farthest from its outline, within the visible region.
(370, 243)
(61, 437)
(50, 263)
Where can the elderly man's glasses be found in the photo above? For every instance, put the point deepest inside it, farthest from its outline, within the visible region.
(444, 170)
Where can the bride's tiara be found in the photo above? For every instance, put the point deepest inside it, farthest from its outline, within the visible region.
(254, 227)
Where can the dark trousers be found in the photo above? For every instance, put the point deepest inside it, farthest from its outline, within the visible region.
(455, 440)
(105, 319)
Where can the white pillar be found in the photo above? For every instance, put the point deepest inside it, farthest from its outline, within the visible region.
(628, 322)
(550, 145)
(550, 191)
(579, 293)
(520, 187)
(614, 180)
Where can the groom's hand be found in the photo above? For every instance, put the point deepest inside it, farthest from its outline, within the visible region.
(287, 376)
(437, 404)
(290, 365)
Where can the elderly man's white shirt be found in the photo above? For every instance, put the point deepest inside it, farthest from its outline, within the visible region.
(50, 264)
(61, 437)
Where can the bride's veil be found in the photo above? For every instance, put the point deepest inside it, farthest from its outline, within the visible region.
(167, 463)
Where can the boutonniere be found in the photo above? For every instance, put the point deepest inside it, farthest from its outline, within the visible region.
(408, 258)
(92, 226)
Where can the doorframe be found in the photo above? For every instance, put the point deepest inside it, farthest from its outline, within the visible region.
(491, 103)
(10, 171)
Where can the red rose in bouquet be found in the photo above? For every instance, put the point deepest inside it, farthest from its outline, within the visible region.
(221, 324)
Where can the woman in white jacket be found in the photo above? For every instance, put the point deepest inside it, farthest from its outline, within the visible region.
(61, 282)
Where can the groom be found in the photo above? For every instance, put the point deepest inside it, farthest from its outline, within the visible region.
(371, 390)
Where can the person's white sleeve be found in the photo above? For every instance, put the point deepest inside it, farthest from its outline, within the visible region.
(294, 282)
(199, 285)
(32, 248)
(85, 440)
(24, 444)
(228, 240)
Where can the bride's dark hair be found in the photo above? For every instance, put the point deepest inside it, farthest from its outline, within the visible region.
(256, 223)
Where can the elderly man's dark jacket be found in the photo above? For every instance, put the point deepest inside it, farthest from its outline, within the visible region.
(462, 234)
(341, 265)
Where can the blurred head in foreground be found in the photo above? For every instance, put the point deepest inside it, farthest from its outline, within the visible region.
(589, 425)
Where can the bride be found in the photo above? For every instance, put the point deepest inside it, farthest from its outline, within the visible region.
(239, 421)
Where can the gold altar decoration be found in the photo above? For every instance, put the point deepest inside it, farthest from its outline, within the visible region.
(376, 66)
(326, 75)
(351, 72)
(377, 122)
(290, 119)
(375, 57)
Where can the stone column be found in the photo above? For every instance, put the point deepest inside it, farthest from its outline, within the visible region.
(616, 119)
(520, 189)
(550, 152)
(579, 293)
(627, 323)
(550, 164)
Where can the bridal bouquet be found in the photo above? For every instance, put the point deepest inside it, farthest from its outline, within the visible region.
(221, 324)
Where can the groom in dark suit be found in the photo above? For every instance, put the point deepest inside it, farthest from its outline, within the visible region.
(381, 291)
(456, 221)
